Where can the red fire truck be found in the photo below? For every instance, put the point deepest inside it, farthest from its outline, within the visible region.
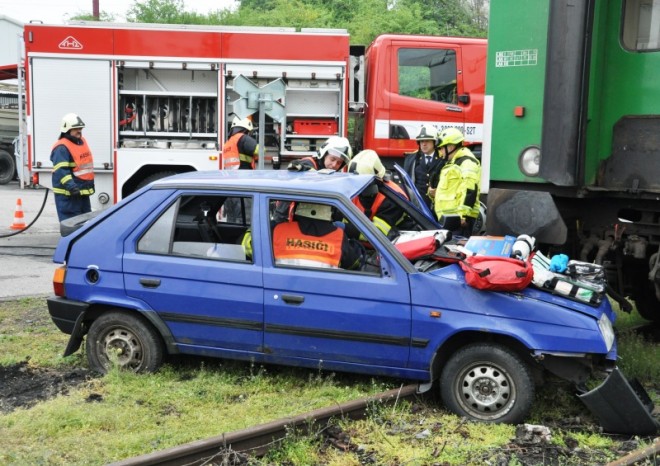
(159, 99)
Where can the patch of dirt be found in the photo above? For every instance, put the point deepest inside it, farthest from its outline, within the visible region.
(23, 386)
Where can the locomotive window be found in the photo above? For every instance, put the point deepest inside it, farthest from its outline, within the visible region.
(640, 27)
(428, 74)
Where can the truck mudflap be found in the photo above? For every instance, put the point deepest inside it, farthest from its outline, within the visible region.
(622, 406)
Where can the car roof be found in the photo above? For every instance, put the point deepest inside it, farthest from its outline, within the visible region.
(323, 182)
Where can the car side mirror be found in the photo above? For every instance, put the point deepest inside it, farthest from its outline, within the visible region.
(464, 99)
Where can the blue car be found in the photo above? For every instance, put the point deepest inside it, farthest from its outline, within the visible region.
(186, 265)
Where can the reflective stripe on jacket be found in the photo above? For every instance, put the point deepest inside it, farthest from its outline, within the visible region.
(458, 187)
(383, 222)
(292, 247)
(230, 155)
(68, 175)
(83, 162)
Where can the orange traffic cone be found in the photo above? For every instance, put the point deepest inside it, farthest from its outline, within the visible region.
(19, 221)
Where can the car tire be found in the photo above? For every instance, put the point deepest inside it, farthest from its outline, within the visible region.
(488, 383)
(124, 340)
(154, 177)
(7, 167)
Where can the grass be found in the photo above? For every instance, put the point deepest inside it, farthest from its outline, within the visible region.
(27, 333)
(123, 415)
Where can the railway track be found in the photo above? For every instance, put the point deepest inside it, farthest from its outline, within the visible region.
(258, 439)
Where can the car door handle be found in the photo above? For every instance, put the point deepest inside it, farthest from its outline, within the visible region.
(150, 282)
(293, 299)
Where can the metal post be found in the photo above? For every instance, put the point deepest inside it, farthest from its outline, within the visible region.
(262, 130)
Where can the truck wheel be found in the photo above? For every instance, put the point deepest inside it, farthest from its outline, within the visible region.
(123, 340)
(487, 382)
(154, 177)
(7, 167)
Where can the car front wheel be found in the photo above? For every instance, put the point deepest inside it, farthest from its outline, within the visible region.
(123, 340)
(487, 383)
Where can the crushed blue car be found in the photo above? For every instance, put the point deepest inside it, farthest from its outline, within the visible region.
(186, 266)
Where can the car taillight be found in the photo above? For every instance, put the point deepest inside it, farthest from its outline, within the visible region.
(58, 281)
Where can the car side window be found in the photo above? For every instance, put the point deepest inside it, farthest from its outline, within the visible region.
(317, 235)
(204, 226)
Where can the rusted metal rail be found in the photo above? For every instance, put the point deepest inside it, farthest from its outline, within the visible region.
(650, 452)
(258, 439)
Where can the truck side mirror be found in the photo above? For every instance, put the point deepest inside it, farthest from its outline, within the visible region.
(464, 98)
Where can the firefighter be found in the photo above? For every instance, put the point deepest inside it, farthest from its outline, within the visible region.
(241, 150)
(73, 169)
(424, 165)
(383, 212)
(334, 154)
(311, 239)
(457, 191)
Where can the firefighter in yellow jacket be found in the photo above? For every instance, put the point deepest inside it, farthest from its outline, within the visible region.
(458, 187)
(73, 169)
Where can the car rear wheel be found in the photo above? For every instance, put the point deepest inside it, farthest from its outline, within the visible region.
(487, 383)
(120, 339)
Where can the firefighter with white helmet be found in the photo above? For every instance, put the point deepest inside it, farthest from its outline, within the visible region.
(311, 239)
(241, 150)
(380, 209)
(458, 188)
(73, 169)
(424, 165)
(334, 154)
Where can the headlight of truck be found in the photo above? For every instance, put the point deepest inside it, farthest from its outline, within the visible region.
(606, 331)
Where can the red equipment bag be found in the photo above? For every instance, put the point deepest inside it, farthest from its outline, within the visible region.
(497, 273)
(418, 248)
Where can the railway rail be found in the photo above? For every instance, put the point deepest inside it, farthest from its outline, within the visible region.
(258, 439)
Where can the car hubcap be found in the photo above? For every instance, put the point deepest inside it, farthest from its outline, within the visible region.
(485, 391)
(122, 348)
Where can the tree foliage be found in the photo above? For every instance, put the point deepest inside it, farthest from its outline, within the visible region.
(364, 19)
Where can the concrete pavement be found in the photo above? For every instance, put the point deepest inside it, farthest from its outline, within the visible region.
(26, 266)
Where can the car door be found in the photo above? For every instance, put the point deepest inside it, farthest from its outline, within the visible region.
(336, 318)
(186, 263)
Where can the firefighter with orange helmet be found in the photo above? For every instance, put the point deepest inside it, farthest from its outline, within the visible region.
(241, 150)
(335, 154)
(73, 169)
(383, 212)
(311, 239)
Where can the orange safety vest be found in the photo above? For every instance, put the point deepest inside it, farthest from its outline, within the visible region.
(292, 247)
(380, 197)
(82, 158)
(230, 156)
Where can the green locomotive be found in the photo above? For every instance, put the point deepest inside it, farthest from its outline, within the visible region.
(573, 103)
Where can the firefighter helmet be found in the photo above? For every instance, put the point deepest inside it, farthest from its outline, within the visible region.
(71, 121)
(337, 146)
(367, 162)
(244, 123)
(315, 211)
(427, 133)
(451, 136)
